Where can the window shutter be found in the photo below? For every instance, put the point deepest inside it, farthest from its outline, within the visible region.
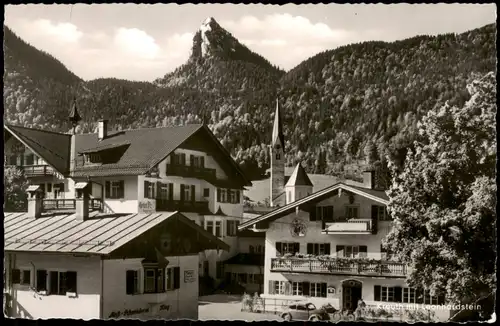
(363, 251)
(193, 193)
(41, 280)
(398, 294)
(202, 161)
(329, 214)
(177, 277)
(310, 249)
(170, 191)
(327, 249)
(121, 189)
(278, 249)
(305, 288)
(218, 195)
(16, 276)
(323, 290)
(312, 214)
(146, 189)
(376, 291)
(107, 188)
(288, 288)
(271, 287)
(130, 275)
(419, 293)
(340, 251)
(182, 193)
(228, 224)
(296, 247)
(183, 157)
(374, 219)
(237, 196)
(158, 189)
(191, 160)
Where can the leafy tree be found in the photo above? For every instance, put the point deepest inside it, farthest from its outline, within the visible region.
(443, 200)
(14, 187)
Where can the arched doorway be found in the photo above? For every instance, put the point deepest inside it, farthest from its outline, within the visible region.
(351, 293)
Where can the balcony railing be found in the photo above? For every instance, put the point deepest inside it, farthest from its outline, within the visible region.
(189, 171)
(182, 206)
(37, 170)
(340, 266)
(348, 226)
(69, 204)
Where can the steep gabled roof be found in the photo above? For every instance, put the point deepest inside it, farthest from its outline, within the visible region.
(299, 177)
(146, 148)
(101, 234)
(376, 195)
(52, 147)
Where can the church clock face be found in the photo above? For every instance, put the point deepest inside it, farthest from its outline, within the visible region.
(298, 228)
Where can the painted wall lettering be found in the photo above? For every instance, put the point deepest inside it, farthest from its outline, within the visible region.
(147, 206)
(128, 312)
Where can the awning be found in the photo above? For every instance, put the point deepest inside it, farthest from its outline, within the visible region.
(81, 185)
(33, 188)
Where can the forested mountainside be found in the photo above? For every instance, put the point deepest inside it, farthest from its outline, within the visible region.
(341, 107)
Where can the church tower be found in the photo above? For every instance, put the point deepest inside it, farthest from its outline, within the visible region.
(277, 161)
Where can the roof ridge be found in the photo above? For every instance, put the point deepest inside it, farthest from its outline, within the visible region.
(148, 128)
(38, 129)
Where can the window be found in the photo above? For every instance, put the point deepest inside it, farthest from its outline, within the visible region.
(21, 276)
(352, 251)
(429, 299)
(409, 295)
(351, 212)
(13, 160)
(296, 288)
(283, 248)
(318, 248)
(242, 278)
(322, 213)
(186, 193)
(279, 287)
(132, 282)
(221, 195)
(149, 190)
(206, 192)
(41, 280)
(197, 161)
(114, 189)
(30, 159)
(387, 294)
(154, 280)
(49, 187)
(218, 270)
(232, 196)
(173, 278)
(218, 229)
(164, 192)
(382, 214)
(231, 227)
(210, 227)
(251, 249)
(317, 290)
(92, 158)
(62, 282)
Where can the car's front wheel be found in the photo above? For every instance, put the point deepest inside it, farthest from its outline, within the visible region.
(313, 318)
(286, 317)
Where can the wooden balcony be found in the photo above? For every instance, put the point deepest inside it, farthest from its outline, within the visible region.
(37, 170)
(69, 204)
(189, 171)
(182, 206)
(339, 266)
(348, 226)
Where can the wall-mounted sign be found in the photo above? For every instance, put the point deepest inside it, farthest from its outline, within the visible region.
(164, 307)
(298, 228)
(128, 312)
(147, 206)
(189, 276)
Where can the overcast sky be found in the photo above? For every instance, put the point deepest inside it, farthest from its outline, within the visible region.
(143, 42)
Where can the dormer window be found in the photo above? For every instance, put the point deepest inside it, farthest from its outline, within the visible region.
(92, 158)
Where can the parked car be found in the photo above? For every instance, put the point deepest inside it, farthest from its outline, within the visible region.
(304, 312)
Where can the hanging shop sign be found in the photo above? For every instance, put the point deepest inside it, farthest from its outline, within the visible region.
(189, 276)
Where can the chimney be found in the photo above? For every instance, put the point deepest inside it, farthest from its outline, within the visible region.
(82, 201)
(369, 179)
(34, 201)
(102, 129)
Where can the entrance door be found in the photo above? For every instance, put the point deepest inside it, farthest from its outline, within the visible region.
(352, 292)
